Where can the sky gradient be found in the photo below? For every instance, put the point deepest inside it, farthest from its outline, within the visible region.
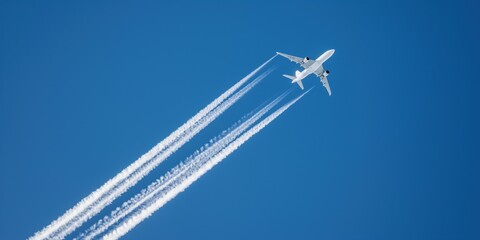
(88, 87)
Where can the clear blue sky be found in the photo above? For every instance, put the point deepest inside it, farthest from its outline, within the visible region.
(87, 87)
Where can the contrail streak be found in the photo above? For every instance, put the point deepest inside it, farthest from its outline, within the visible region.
(150, 165)
(190, 177)
(157, 186)
(104, 195)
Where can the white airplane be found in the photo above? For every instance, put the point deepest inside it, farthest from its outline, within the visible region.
(310, 66)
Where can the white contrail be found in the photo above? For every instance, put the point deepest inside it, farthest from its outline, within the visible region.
(157, 186)
(150, 165)
(190, 177)
(69, 220)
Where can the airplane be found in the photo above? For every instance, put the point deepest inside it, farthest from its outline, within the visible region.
(310, 66)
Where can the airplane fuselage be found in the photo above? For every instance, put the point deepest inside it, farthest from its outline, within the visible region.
(303, 74)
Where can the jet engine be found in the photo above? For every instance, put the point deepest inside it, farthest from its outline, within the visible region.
(326, 72)
(305, 60)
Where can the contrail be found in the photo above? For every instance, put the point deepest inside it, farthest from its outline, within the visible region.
(104, 195)
(190, 177)
(136, 176)
(148, 193)
(150, 165)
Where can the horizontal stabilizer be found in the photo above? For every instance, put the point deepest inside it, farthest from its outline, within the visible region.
(288, 76)
(300, 84)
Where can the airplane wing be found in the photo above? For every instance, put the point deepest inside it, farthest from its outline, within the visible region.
(304, 62)
(324, 81)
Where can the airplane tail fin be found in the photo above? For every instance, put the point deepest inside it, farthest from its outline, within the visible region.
(297, 73)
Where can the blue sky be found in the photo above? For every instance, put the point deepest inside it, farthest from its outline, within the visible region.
(87, 87)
